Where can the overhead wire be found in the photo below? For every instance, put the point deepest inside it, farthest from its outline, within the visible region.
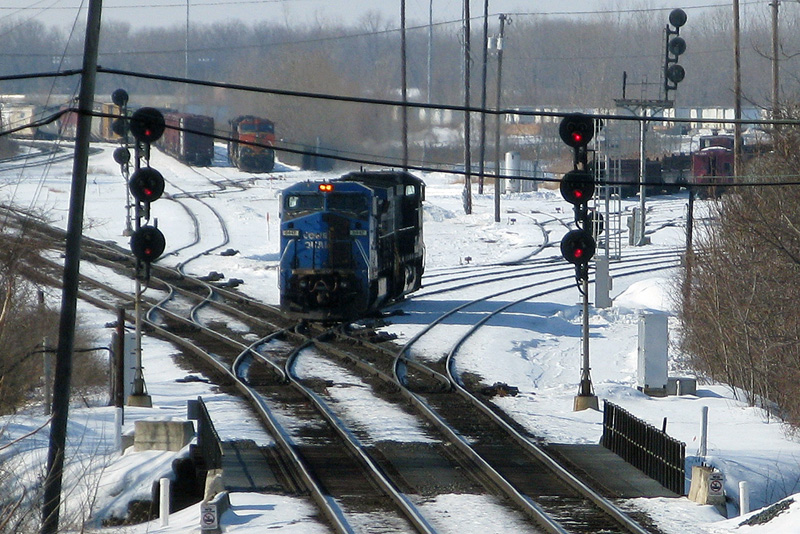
(61, 59)
(34, 200)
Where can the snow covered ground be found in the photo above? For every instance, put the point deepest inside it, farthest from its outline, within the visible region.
(535, 350)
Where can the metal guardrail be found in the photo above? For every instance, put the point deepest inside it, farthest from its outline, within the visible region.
(659, 456)
(208, 442)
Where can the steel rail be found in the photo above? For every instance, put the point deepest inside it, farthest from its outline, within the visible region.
(410, 511)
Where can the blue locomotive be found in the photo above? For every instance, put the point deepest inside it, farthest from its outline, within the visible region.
(350, 245)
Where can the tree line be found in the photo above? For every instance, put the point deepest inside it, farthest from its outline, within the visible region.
(564, 62)
(738, 309)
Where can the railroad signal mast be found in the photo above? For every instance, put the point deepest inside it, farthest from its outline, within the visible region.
(146, 185)
(675, 46)
(578, 246)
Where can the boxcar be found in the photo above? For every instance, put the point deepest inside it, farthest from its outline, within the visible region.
(189, 138)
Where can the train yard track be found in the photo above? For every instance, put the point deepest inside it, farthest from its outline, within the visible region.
(359, 482)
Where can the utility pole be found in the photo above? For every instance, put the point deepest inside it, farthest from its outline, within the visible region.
(498, 182)
(186, 59)
(775, 65)
(69, 294)
(430, 48)
(404, 82)
(737, 94)
(467, 149)
(484, 66)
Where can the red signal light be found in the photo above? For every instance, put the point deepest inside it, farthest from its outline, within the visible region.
(578, 246)
(148, 243)
(576, 130)
(146, 184)
(326, 188)
(577, 187)
(147, 125)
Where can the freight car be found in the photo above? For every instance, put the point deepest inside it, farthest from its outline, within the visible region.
(350, 246)
(712, 163)
(14, 116)
(250, 147)
(102, 126)
(188, 138)
(624, 173)
(65, 127)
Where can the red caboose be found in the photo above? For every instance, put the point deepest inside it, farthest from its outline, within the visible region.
(712, 163)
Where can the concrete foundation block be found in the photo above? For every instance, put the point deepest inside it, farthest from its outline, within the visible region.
(681, 386)
(164, 435)
(708, 486)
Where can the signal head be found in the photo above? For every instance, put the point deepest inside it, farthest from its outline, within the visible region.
(120, 127)
(576, 130)
(577, 187)
(593, 221)
(147, 125)
(578, 247)
(677, 46)
(119, 97)
(148, 243)
(675, 73)
(677, 17)
(122, 155)
(146, 184)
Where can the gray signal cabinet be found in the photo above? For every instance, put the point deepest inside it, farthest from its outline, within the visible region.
(652, 354)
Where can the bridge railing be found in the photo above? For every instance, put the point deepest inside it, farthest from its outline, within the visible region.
(658, 455)
(208, 443)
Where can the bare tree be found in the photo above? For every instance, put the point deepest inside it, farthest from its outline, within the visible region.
(739, 309)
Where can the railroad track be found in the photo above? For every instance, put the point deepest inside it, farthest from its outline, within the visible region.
(359, 483)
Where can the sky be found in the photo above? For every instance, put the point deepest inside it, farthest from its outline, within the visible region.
(311, 12)
(534, 348)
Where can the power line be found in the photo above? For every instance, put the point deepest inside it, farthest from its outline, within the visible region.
(393, 103)
(399, 103)
(445, 168)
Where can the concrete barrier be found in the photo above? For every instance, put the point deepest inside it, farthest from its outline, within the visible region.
(162, 435)
(211, 511)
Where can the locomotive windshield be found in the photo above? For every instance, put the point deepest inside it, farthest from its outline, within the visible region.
(356, 204)
(255, 127)
(312, 202)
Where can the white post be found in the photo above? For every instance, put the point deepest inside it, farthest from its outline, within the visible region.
(163, 502)
(704, 433)
(744, 498)
(118, 429)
